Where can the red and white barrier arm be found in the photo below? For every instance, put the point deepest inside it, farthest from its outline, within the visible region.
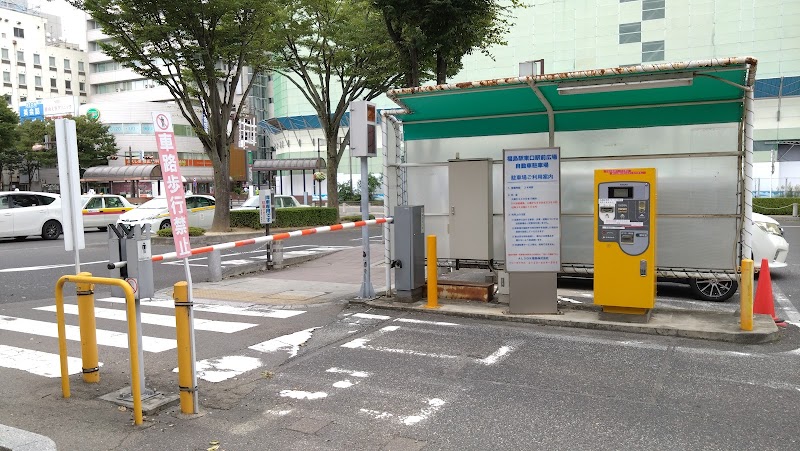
(276, 237)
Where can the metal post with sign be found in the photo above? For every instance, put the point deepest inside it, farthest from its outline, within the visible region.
(265, 215)
(69, 178)
(176, 203)
(364, 144)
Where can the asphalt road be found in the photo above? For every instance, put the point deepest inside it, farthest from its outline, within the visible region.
(29, 269)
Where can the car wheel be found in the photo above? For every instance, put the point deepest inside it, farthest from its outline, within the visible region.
(165, 225)
(51, 230)
(715, 290)
(20, 238)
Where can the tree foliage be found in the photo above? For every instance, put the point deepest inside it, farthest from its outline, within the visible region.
(199, 50)
(95, 144)
(335, 51)
(9, 158)
(432, 36)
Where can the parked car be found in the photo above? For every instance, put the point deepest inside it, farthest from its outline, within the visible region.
(26, 213)
(100, 210)
(199, 212)
(768, 243)
(279, 201)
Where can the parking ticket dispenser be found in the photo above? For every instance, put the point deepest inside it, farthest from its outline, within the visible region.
(625, 240)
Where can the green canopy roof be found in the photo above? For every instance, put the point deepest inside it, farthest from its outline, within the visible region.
(698, 92)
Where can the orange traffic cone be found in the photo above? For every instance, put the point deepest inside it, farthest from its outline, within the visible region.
(765, 302)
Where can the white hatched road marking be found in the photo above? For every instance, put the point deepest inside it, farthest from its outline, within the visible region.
(217, 308)
(410, 420)
(104, 337)
(36, 362)
(371, 316)
(362, 343)
(790, 312)
(226, 327)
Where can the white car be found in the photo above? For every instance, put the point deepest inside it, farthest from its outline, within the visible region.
(768, 242)
(279, 201)
(100, 210)
(199, 212)
(26, 213)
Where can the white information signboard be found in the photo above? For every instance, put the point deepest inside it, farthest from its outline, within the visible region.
(532, 209)
(265, 206)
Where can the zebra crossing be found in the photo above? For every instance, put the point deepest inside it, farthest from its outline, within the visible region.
(259, 255)
(158, 313)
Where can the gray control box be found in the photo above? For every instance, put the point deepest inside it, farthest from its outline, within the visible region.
(132, 245)
(409, 245)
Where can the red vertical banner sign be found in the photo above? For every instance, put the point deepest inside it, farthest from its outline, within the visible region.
(173, 182)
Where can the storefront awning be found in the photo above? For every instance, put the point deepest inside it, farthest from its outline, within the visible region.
(122, 173)
(289, 164)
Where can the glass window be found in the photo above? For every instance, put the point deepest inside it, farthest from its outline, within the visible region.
(3, 202)
(7, 77)
(45, 200)
(66, 64)
(4, 54)
(652, 9)
(114, 202)
(36, 59)
(203, 202)
(82, 86)
(24, 201)
(81, 66)
(67, 84)
(37, 81)
(22, 80)
(94, 203)
(652, 51)
(20, 56)
(19, 32)
(53, 83)
(52, 61)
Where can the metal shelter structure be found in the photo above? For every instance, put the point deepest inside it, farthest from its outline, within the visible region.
(290, 164)
(693, 120)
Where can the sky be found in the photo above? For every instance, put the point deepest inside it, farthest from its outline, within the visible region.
(73, 21)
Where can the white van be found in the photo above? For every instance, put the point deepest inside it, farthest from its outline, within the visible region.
(26, 213)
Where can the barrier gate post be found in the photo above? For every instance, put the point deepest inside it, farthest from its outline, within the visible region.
(88, 330)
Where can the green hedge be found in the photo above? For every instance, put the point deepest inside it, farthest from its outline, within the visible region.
(354, 218)
(774, 205)
(286, 217)
(193, 231)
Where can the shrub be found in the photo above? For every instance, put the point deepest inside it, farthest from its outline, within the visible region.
(193, 231)
(354, 218)
(286, 217)
(774, 205)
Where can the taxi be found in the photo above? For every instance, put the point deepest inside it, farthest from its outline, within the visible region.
(199, 213)
(100, 210)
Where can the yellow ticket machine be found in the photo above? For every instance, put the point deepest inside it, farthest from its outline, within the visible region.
(625, 240)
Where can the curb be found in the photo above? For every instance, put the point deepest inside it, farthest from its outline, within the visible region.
(14, 439)
(765, 329)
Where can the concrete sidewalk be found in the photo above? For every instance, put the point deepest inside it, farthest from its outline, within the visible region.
(336, 277)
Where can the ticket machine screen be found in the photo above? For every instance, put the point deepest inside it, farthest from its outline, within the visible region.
(624, 215)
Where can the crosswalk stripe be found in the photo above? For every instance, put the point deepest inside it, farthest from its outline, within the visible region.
(104, 337)
(223, 368)
(217, 308)
(226, 327)
(36, 362)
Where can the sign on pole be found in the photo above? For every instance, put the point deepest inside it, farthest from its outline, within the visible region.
(265, 206)
(532, 210)
(69, 179)
(173, 182)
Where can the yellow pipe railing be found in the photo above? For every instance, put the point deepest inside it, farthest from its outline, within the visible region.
(88, 331)
(133, 343)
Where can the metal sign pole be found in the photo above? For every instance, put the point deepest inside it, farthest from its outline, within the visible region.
(191, 332)
(366, 292)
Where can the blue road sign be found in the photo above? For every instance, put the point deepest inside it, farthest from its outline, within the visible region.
(31, 111)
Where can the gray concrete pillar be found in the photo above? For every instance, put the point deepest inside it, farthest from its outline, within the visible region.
(215, 266)
(277, 255)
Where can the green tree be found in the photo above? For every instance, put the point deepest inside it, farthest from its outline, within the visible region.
(335, 51)
(434, 35)
(95, 144)
(373, 185)
(9, 157)
(199, 50)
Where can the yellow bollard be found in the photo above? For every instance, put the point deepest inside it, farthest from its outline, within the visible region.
(433, 293)
(746, 296)
(88, 330)
(180, 294)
